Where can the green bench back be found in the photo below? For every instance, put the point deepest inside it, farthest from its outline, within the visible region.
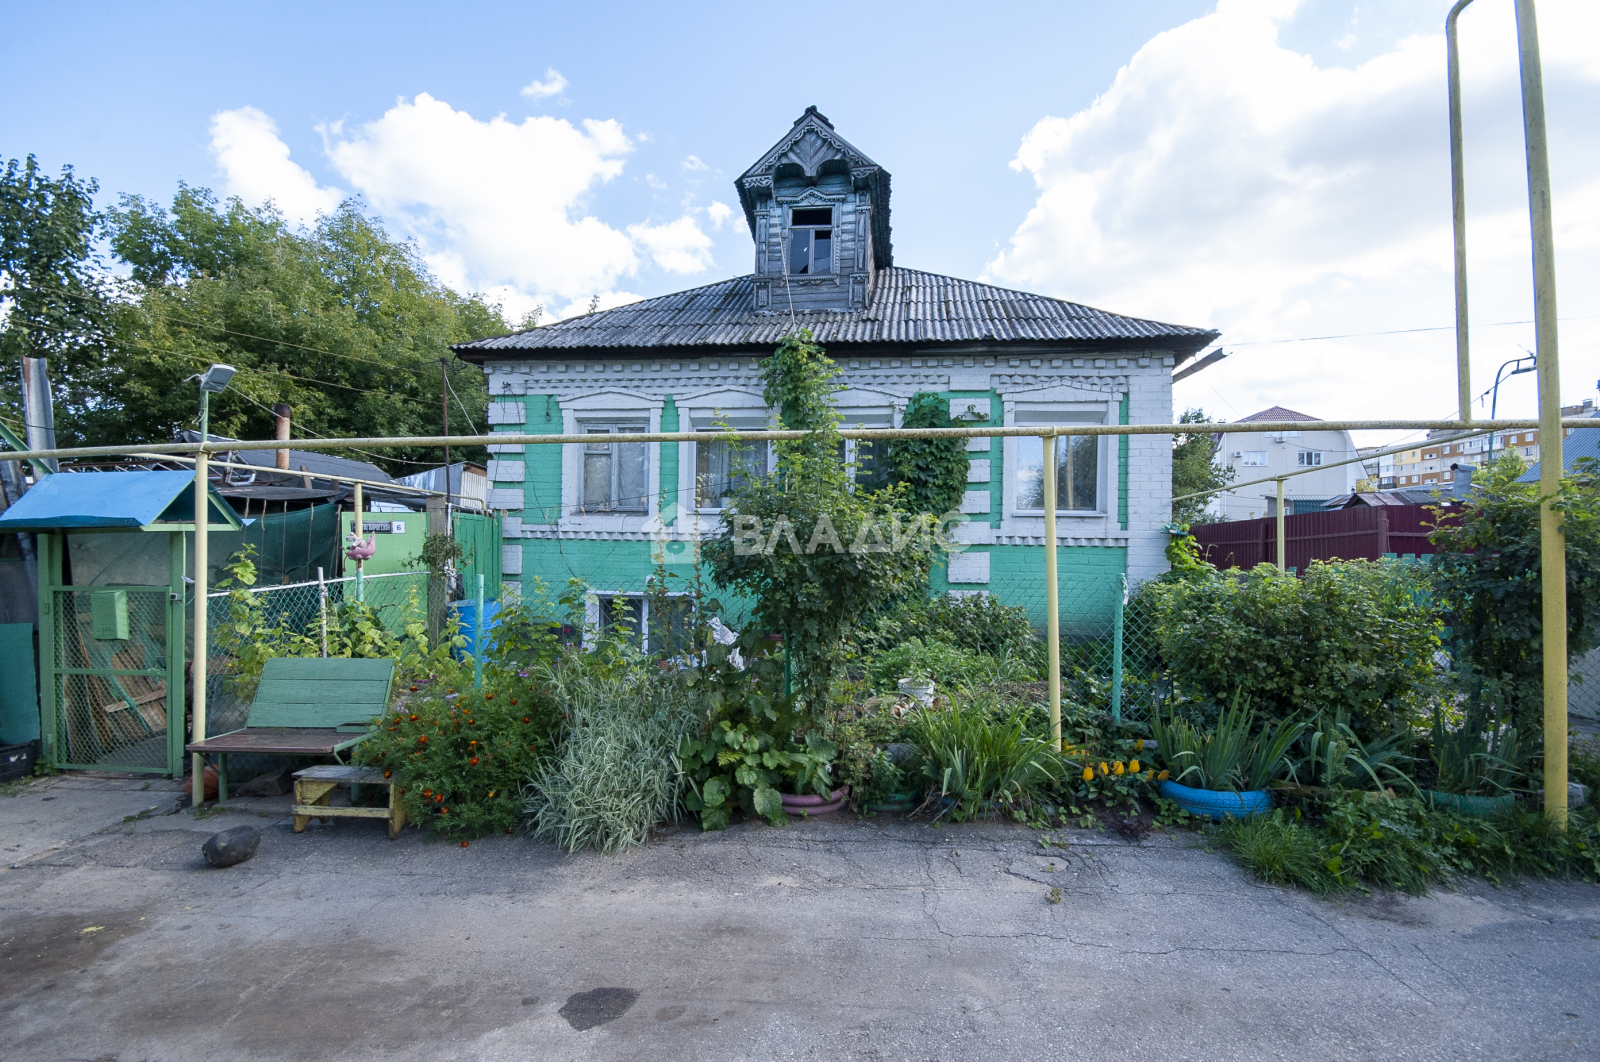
(317, 692)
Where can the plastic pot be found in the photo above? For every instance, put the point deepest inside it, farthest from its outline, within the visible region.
(1218, 804)
(800, 806)
(1483, 807)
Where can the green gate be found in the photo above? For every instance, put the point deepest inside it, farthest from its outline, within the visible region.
(112, 662)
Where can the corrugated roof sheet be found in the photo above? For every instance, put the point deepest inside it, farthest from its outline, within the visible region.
(111, 500)
(1583, 442)
(908, 306)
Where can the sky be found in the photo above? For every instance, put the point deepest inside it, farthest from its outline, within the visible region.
(1274, 169)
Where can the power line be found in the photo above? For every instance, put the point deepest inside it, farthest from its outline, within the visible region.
(1393, 332)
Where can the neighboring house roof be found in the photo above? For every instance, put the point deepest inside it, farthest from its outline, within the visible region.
(1403, 496)
(301, 462)
(108, 500)
(1276, 413)
(907, 306)
(1583, 442)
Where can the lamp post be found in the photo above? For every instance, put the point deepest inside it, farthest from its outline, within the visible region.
(212, 381)
(1494, 394)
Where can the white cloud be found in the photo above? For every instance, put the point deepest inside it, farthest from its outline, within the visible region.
(692, 163)
(678, 246)
(255, 166)
(1225, 180)
(552, 85)
(719, 213)
(494, 203)
(655, 182)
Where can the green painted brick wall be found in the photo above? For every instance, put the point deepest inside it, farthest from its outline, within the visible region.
(541, 485)
(669, 455)
(1088, 578)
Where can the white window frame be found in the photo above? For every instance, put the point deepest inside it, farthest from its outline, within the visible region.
(711, 411)
(1308, 459)
(1043, 410)
(1246, 455)
(866, 409)
(592, 607)
(609, 408)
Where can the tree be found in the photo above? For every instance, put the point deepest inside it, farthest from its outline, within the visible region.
(816, 552)
(1194, 472)
(51, 290)
(1487, 569)
(342, 322)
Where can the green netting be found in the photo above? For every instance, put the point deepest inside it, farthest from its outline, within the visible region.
(289, 547)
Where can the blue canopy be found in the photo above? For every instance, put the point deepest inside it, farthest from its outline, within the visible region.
(113, 500)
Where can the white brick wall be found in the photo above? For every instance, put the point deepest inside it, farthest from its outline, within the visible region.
(978, 471)
(510, 560)
(968, 568)
(975, 502)
(507, 413)
(506, 471)
(505, 499)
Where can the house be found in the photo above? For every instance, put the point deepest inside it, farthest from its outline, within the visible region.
(1259, 455)
(818, 211)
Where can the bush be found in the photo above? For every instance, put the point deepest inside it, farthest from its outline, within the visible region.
(982, 755)
(976, 624)
(1351, 637)
(616, 773)
(946, 665)
(460, 756)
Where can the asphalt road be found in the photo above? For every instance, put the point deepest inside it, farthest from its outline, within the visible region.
(826, 940)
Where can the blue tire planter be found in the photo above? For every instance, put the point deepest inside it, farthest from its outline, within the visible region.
(1213, 804)
(1481, 806)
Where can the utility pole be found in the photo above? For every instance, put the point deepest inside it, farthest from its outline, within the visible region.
(444, 405)
(1552, 540)
(1458, 205)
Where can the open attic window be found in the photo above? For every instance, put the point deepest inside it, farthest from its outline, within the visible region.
(810, 240)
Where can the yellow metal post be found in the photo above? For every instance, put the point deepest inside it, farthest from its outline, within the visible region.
(1552, 541)
(1052, 602)
(1283, 552)
(201, 513)
(1458, 205)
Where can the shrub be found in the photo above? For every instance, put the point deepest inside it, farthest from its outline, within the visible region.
(1352, 637)
(946, 665)
(982, 755)
(1230, 756)
(976, 624)
(616, 773)
(461, 756)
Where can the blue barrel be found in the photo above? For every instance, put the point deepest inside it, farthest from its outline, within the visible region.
(466, 614)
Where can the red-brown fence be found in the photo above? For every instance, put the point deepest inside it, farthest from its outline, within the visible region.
(1359, 533)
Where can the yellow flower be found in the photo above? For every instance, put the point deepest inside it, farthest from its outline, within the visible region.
(1088, 774)
(1133, 767)
(1163, 776)
(1117, 768)
(1104, 770)
(1149, 774)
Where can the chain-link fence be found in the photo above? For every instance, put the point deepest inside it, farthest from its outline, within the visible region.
(110, 671)
(304, 609)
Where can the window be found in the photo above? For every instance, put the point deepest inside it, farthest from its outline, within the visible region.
(811, 241)
(614, 473)
(1253, 457)
(1077, 473)
(664, 620)
(722, 467)
(1309, 458)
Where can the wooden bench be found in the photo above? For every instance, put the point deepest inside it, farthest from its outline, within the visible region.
(313, 792)
(305, 706)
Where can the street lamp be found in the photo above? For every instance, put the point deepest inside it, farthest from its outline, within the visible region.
(1494, 395)
(212, 381)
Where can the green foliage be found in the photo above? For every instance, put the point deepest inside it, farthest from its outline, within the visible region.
(1351, 637)
(1583, 765)
(832, 560)
(933, 471)
(249, 637)
(1332, 756)
(53, 292)
(981, 755)
(461, 756)
(976, 624)
(1478, 757)
(341, 321)
(746, 748)
(1488, 572)
(1194, 470)
(1231, 756)
(1114, 783)
(1183, 552)
(1404, 845)
(947, 666)
(616, 773)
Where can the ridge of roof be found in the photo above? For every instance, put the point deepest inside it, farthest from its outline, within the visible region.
(1276, 413)
(906, 305)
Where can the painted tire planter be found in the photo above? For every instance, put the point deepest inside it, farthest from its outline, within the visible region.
(896, 802)
(1215, 804)
(1481, 806)
(799, 806)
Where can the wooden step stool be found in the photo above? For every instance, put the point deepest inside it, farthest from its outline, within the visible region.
(314, 786)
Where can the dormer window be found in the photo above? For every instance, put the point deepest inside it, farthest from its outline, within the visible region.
(810, 240)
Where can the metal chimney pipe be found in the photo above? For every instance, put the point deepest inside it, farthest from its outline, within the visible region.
(38, 412)
(282, 411)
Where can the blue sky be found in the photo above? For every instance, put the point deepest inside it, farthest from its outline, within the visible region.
(1271, 168)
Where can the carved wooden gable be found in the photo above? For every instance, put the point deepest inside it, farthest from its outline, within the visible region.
(819, 212)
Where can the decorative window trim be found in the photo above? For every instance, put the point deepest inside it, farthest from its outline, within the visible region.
(736, 407)
(1034, 409)
(607, 407)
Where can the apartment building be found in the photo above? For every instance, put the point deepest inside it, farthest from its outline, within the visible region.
(1430, 463)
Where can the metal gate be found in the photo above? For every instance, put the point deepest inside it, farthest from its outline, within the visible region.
(111, 669)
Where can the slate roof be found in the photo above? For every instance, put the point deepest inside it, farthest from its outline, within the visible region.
(908, 306)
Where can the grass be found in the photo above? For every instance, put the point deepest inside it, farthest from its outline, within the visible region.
(983, 755)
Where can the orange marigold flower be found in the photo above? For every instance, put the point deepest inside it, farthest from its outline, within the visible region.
(473, 761)
(488, 696)
(437, 797)
(422, 740)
